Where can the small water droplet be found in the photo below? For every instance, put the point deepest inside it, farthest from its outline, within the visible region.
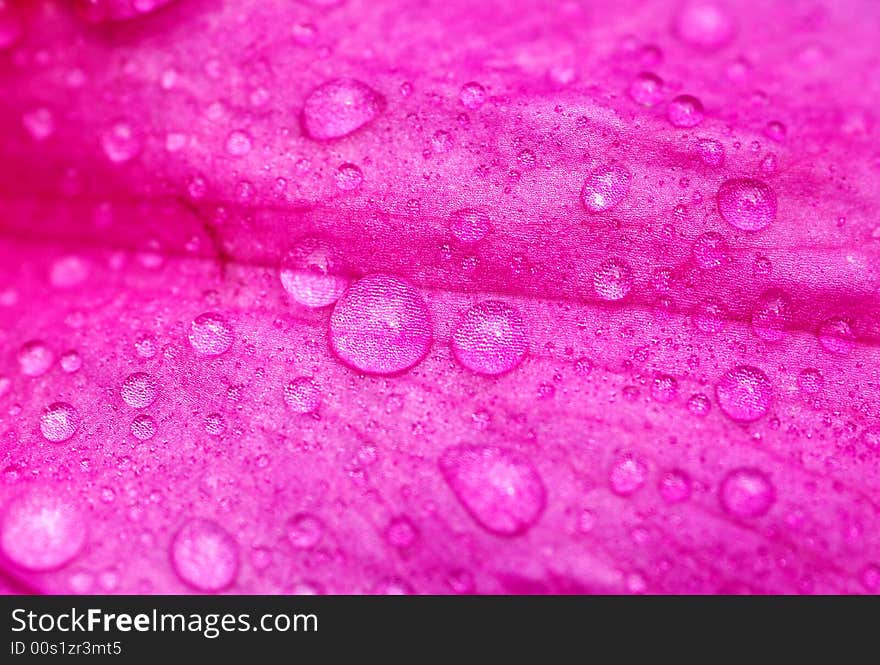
(143, 427)
(605, 187)
(836, 336)
(210, 334)
(120, 143)
(490, 338)
(238, 143)
(59, 422)
(685, 111)
(646, 89)
(675, 486)
(205, 556)
(469, 226)
(744, 393)
(612, 279)
(302, 395)
(773, 315)
(472, 95)
(628, 475)
(703, 24)
(35, 358)
(401, 533)
(139, 390)
(699, 405)
(304, 531)
(746, 493)
(710, 250)
(349, 177)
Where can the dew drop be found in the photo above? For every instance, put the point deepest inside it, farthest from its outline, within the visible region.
(871, 437)
(304, 531)
(143, 427)
(35, 358)
(210, 334)
(709, 316)
(664, 388)
(401, 533)
(42, 531)
(139, 390)
(71, 361)
(605, 187)
(205, 556)
(490, 338)
(747, 204)
(703, 24)
(836, 336)
(744, 393)
(628, 475)
(302, 395)
(39, 123)
(646, 89)
(339, 107)
(59, 422)
(469, 226)
(773, 315)
(500, 488)
(312, 274)
(612, 279)
(120, 143)
(472, 95)
(381, 325)
(746, 492)
(238, 143)
(214, 424)
(810, 381)
(699, 405)
(710, 250)
(675, 486)
(349, 177)
(711, 152)
(685, 111)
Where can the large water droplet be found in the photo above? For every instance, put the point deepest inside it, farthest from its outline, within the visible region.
(773, 315)
(58, 422)
(605, 187)
(744, 393)
(42, 531)
(205, 556)
(747, 204)
(210, 334)
(627, 475)
(139, 390)
(312, 274)
(339, 107)
(304, 531)
(500, 488)
(472, 95)
(646, 89)
(746, 493)
(35, 358)
(836, 336)
(143, 427)
(612, 279)
(490, 338)
(381, 325)
(685, 111)
(704, 24)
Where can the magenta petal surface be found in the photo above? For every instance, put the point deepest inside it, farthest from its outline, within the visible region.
(346, 296)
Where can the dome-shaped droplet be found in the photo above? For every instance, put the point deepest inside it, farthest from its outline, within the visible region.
(747, 204)
(302, 395)
(710, 250)
(312, 274)
(628, 475)
(747, 493)
(238, 143)
(605, 187)
(139, 390)
(143, 427)
(35, 358)
(675, 486)
(711, 152)
(500, 488)
(744, 393)
(349, 177)
(773, 315)
(304, 531)
(210, 334)
(612, 279)
(205, 556)
(41, 531)
(685, 111)
(339, 107)
(401, 533)
(709, 316)
(58, 422)
(469, 225)
(120, 143)
(664, 388)
(836, 336)
(381, 325)
(490, 338)
(646, 89)
(472, 95)
(704, 24)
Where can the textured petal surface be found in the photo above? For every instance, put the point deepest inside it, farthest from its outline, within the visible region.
(439, 297)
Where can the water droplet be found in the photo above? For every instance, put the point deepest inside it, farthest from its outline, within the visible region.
(675, 486)
(711, 152)
(612, 279)
(664, 388)
(214, 424)
(744, 393)
(836, 336)
(35, 358)
(773, 315)
(401, 533)
(145, 346)
(349, 177)
(646, 89)
(699, 405)
(490, 339)
(605, 187)
(11, 26)
(210, 334)
(139, 390)
(628, 475)
(42, 531)
(120, 143)
(381, 325)
(304, 531)
(39, 122)
(871, 437)
(205, 556)
(810, 381)
(339, 107)
(238, 143)
(58, 422)
(311, 274)
(709, 316)
(747, 204)
(710, 250)
(500, 488)
(143, 427)
(703, 24)
(472, 95)
(685, 111)
(71, 362)
(747, 492)
(469, 226)
(302, 395)
(775, 131)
